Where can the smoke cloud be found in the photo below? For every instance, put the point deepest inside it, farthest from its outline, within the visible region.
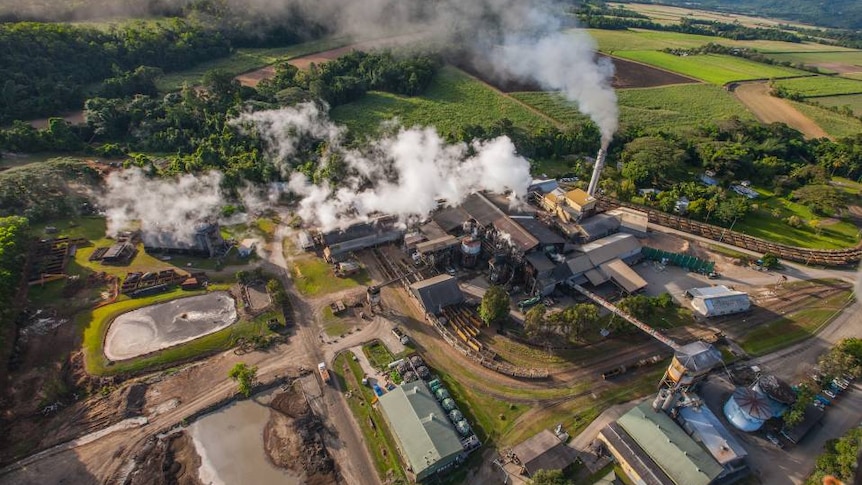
(404, 174)
(161, 208)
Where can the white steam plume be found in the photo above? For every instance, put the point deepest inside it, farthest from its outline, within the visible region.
(164, 208)
(566, 61)
(403, 175)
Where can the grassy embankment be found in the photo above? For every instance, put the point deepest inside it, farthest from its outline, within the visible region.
(817, 86)
(315, 277)
(244, 60)
(851, 101)
(833, 123)
(796, 326)
(95, 323)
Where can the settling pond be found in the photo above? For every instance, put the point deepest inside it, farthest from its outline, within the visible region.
(164, 325)
(230, 444)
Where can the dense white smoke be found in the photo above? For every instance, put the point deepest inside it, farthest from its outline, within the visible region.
(403, 175)
(566, 61)
(160, 207)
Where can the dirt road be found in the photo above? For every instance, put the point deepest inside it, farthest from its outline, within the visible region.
(769, 109)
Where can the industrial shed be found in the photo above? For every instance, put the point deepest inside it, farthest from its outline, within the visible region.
(425, 437)
(519, 236)
(437, 292)
(539, 230)
(597, 227)
(544, 451)
(713, 301)
(339, 244)
(620, 245)
(120, 254)
(655, 448)
(436, 245)
(623, 275)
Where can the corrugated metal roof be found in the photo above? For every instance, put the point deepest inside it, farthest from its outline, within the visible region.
(667, 444)
(539, 230)
(580, 197)
(608, 248)
(579, 264)
(522, 239)
(544, 451)
(698, 356)
(450, 218)
(481, 209)
(599, 224)
(623, 275)
(596, 277)
(437, 292)
(713, 292)
(707, 429)
(420, 426)
(540, 262)
(438, 244)
(752, 403)
(627, 450)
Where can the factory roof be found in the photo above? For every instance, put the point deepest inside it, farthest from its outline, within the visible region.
(437, 244)
(713, 435)
(629, 451)
(608, 248)
(753, 403)
(717, 291)
(522, 239)
(667, 444)
(544, 451)
(596, 277)
(119, 251)
(698, 356)
(480, 208)
(540, 262)
(623, 275)
(450, 218)
(539, 230)
(631, 219)
(579, 264)
(420, 425)
(432, 230)
(356, 231)
(437, 292)
(599, 224)
(580, 197)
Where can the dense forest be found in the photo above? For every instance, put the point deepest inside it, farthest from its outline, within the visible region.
(844, 14)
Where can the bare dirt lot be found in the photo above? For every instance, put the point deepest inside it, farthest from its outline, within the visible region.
(631, 74)
(769, 109)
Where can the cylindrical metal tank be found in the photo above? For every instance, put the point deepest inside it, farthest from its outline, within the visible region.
(441, 394)
(747, 409)
(471, 246)
(434, 385)
(449, 404)
(463, 428)
(455, 415)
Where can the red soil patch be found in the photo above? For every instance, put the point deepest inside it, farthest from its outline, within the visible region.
(252, 78)
(631, 74)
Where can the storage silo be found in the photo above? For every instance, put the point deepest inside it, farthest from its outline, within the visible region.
(748, 409)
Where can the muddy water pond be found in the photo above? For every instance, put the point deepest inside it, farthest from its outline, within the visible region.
(230, 444)
(164, 325)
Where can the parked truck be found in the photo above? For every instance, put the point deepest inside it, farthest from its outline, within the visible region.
(324, 373)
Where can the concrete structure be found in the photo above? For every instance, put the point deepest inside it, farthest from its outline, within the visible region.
(617, 246)
(718, 300)
(597, 227)
(437, 292)
(568, 206)
(339, 244)
(652, 448)
(691, 363)
(246, 248)
(425, 437)
(544, 451)
(631, 220)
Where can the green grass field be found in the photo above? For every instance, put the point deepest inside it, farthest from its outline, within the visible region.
(762, 223)
(244, 60)
(852, 75)
(712, 68)
(314, 277)
(453, 100)
(639, 39)
(794, 327)
(821, 86)
(847, 57)
(853, 101)
(94, 324)
(669, 108)
(836, 125)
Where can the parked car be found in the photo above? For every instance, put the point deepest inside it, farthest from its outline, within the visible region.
(774, 440)
(842, 383)
(450, 270)
(818, 404)
(828, 393)
(822, 400)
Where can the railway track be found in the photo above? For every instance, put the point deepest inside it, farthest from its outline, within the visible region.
(820, 257)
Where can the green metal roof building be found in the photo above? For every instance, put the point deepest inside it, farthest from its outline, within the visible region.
(426, 438)
(653, 449)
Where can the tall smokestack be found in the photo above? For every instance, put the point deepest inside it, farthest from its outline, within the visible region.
(597, 172)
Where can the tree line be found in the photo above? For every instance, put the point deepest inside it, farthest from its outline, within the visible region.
(14, 239)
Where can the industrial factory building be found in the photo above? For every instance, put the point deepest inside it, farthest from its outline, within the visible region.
(713, 301)
(437, 292)
(544, 451)
(120, 254)
(653, 449)
(206, 241)
(425, 437)
(339, 244)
